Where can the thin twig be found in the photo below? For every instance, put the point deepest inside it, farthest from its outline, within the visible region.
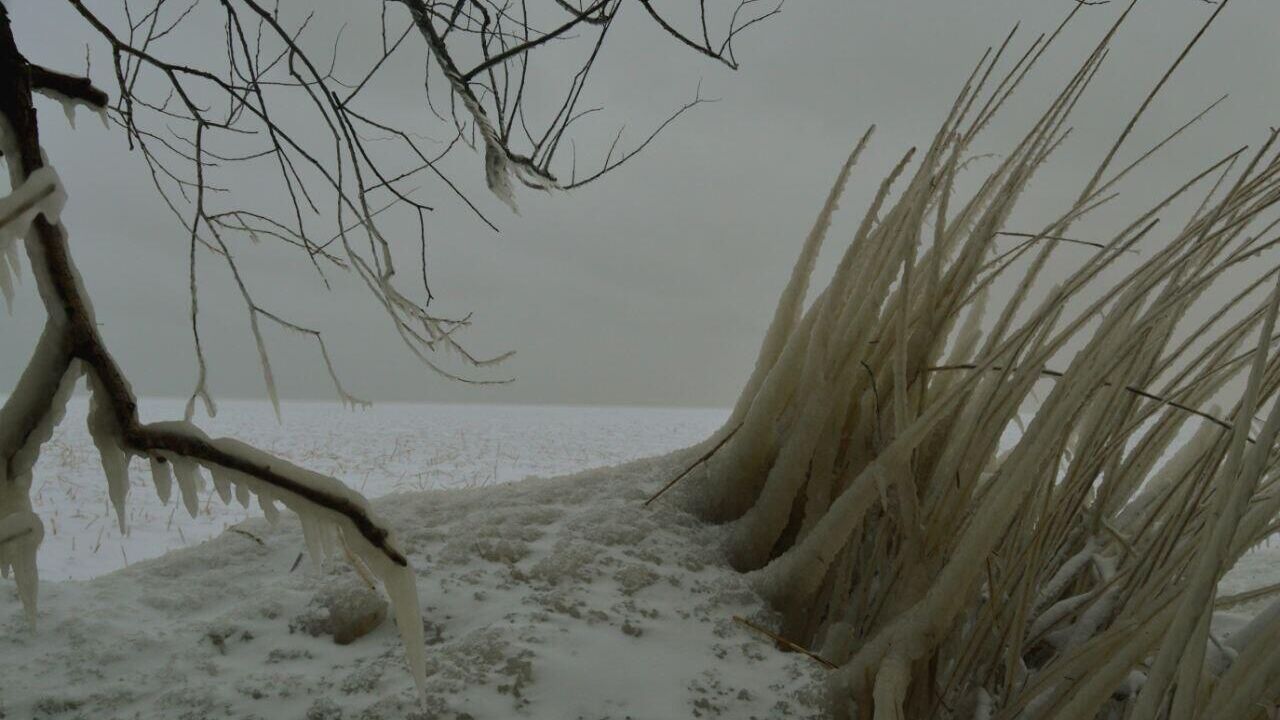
(785, 642)
(247, 534)
(1056, 374)
(705, 457)
(1247, 596)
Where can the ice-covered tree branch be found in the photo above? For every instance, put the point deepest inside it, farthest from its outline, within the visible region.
(70, 86)
(71, 344)
(214, 121)
(276, 107)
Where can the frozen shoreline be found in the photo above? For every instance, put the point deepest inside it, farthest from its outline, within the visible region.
(546, 598)
(560, 598)
(391, 447)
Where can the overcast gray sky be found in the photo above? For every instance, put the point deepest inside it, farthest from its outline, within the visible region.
(654, 285)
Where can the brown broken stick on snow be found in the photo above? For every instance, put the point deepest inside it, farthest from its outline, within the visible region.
(705, 457)
(785, 642)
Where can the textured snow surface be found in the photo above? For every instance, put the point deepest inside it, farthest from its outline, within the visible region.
(389, 448)
(558, 599)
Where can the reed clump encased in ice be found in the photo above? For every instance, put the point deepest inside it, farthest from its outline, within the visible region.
(1073, 574)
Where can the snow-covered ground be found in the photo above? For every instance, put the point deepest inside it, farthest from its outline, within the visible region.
(563, 599)
(388, 448)
(560, 598)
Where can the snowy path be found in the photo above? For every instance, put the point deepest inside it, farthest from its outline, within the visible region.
(388, 448)
(557, 599)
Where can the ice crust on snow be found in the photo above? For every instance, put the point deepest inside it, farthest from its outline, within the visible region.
(583, 603)
(323, 531)
(550, 598)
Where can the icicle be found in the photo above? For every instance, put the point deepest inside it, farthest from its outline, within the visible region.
(221, 483)
(20, 537)
(267, 376)
(162, 476)
(268, 506)
(106, 437)
(71, 104)
(188, 477)
(11, 250)
(6, 282)
(311, 532)
(243, 496)
(201, 392)
(327, 539)
(9, 253)
(499, 166)
(497, 175)
(400, 586)
(320, 527)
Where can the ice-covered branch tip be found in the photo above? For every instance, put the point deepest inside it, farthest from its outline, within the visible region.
(500, 162)
(44, 80)
(70, 91)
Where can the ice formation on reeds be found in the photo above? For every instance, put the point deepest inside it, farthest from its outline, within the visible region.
(1072, 575)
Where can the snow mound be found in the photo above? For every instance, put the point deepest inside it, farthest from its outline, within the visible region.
(558, 599)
